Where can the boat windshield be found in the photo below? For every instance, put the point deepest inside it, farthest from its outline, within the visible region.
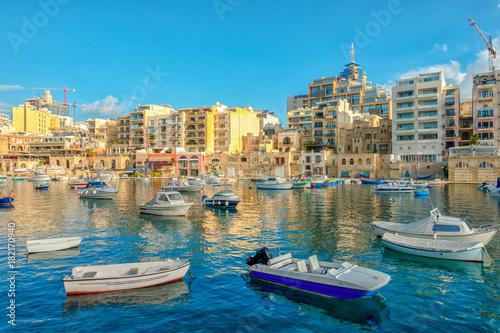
(174, 196)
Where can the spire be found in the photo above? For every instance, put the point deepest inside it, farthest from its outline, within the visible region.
(352, 52)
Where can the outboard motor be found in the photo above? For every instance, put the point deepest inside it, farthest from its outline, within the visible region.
(261, 257)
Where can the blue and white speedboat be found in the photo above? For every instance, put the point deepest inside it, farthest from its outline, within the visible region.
(97, 190)
(340, 280)
(223, 199)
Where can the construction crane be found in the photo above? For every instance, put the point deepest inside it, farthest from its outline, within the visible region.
(491, 50)
(65, 89)
(74, 109)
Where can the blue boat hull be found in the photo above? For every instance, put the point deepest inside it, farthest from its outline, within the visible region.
(422, 193)
(221, 204)
(316, 288)
(6, 201)
(372, 182)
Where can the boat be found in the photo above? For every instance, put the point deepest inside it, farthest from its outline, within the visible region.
(104, 175)
(182, 185)
(274, 183)
(222, 199)
(104, 278)
(363, 175)
(39, 176)
(318, 181)
(44, 186)
(437, 248)
(372, 181)
(437, 181)
(4, 180)
(394, 187)
(6, 201)
(420, 184)
(332, 181)
(212, 180)
(97, 190)
(301, 184)
(258, 179)
(166, 204)
(421, 193)
(438, 226)
(142, 178)
(340, 280)
(77, 183)
(52, 244)
(55, 179)
(18, 178)
(195, 181)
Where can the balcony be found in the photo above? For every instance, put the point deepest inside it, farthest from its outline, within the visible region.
(427, 95)
(405, 120)
(404, 98)
(220, 129)
(427, 106)
(404, 130)
(404, 108)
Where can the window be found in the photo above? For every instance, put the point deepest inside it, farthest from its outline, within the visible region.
(351, 161)
(449, 101)
(450, 92)
(443, 227)
(368, 136)
(231, 160)
(343, 161)
(462, 165)
(308, 159)
(317, 159)
(486, 165)
(330, 124)
(318, 124)
(360, 161)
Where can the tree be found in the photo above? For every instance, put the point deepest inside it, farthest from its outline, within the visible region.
(473, 140)
(89, 152)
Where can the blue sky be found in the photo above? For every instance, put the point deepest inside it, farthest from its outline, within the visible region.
(237, 52)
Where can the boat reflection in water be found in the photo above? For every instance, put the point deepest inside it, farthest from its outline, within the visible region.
(156, 295)
(45, 256)
(370, 311)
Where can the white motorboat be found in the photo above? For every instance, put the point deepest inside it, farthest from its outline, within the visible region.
(104, 278)
(274, 183)
(195, 181)
(212, 180)
(104, 175)
(52, 244)
(222, 199)
(340, 280)
(182, 185)
(77, 183)
(166, 204)
(39, 176)
(301, 184)
(437, 248)
(394, 187)
(97, 190)
(439, 226)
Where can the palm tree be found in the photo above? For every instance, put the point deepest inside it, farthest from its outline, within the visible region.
(473, 140)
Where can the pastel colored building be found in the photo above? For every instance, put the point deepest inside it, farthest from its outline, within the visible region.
(26, 118)
(485, 109)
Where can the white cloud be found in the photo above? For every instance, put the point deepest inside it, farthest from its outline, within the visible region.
(4, 105)
(11, 87)
(107, 107)
(453, 71)
(438, 47)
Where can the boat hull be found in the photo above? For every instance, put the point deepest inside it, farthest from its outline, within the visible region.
(220, 203)
(53, 244)
(98, 195)
(313, 287)
(183, 188)
(93, 286)
(6, 201)
(372, 182)
(302, 185)
(483, 237)
(474, 255)
(177, 210)
(261, 186)
(78, 185)
(39, 179)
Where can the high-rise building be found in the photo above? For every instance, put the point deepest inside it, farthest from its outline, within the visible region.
(485, 108)
(139, 135)
(27, 118)
(297, 102)
(166, 132)
(351, 84)
(123, 122)
(48, 103)
(465, 130)
(451, 116)
(418, 112)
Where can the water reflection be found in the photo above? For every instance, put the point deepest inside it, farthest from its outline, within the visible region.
(160, 295)
(370, 311)
(46, 256)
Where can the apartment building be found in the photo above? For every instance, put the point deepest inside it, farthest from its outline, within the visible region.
(485, 107)
(166, 132)
(139, 136)
(123, 132)
(297, 102)
(465, 130)
(199, 129)
(418, 110)
(369, 134)
(451, 116)
(27, 118)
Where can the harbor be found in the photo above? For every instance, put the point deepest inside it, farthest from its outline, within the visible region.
(217, 295)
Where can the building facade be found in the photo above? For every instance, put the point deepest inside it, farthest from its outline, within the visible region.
(485, 108)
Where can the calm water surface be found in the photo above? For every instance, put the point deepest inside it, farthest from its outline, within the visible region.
(424, 294)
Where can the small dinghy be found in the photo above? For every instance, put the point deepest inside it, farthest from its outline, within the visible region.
(421, 193)
(41, 186)
(340, 280)
(6, 201)
(437, 248)
(52, 244)
(104, 278)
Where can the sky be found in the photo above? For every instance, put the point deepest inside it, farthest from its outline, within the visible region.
(237, 52)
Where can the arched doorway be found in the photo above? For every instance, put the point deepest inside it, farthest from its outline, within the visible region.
(113, 164)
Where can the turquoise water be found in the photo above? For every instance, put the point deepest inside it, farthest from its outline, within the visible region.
(424, 294)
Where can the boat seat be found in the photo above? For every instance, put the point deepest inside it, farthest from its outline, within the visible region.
(88, 275)
(280, 261)
(301, 266)
(133, 271)
(315, 267)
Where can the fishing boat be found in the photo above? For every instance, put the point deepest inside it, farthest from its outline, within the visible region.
(301, 184)
(394, 187)
(332, 181)
(52, 244)
(182, 185)
(55, 179)
(97, 190)
(4, 180)
(222, 199)
(39, 176)
(340, 280)
(6, 201)
(437, 248)
(421, 193)
(372, 181)
(44, 186)
(104, 278)
(166, 204)
(363, 175)
(438, 226)
(77, 183)
(274, 183)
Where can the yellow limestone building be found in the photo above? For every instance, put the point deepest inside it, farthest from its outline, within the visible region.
(26, 118)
